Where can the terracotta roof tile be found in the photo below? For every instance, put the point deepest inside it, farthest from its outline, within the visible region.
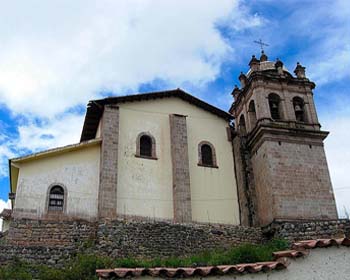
(189, 271)
(310, 244)
(282, 260)
(290, 254)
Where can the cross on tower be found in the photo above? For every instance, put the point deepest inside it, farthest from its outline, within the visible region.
(261, 43)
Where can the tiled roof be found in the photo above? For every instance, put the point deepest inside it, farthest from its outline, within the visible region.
(299, 249)
(6, 214)
(195, 271)
(311, 244)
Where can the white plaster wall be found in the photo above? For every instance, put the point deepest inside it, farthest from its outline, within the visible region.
(77, 170)
(145, 186)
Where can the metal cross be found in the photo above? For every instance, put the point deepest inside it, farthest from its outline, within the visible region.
(261, 43)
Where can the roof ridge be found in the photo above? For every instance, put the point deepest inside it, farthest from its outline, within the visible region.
(95, 107)
(139, 93)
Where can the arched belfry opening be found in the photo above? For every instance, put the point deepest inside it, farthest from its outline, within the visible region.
(298, 105)
(275, 106)
(241, 126)
(252, 114)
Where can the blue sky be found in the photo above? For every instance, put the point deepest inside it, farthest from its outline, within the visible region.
(57, 55)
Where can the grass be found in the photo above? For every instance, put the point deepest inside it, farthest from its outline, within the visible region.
(84, 266)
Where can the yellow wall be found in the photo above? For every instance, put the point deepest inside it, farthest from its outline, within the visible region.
(145, 186)
(77, 170)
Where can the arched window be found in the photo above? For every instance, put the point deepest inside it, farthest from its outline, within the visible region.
(242, 128)
(206, 154)
(146, 146)
(56, 199)
(298, 104)
(274, 103)
(252, 114)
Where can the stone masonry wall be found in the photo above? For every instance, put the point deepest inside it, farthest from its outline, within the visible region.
(181, 170)
(107, 201)
(51, 243)
(48, 255)
(307, 230)
(245, 182)
(162, 239)
(27, 232)
(292, 181)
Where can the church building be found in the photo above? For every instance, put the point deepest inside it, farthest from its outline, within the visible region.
(170, 156)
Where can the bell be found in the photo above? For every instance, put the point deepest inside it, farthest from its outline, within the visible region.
(274, 105)
(297, 108)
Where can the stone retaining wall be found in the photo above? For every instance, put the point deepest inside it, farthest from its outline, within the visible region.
(49, 242)
(51, 256)
(27, 232)
(162, 239)
(306, 230)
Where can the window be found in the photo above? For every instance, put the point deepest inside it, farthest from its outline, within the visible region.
(56, 199)
(252, 114)
(274, 103)
(206, 154)
(146, 146)
(242, 127)
(298, 104)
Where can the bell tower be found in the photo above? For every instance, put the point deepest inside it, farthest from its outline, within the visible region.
(282, 172)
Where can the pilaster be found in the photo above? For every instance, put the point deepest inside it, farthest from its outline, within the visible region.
(180, 166)
(107, 200)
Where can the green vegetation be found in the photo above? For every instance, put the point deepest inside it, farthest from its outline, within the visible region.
(84, 266)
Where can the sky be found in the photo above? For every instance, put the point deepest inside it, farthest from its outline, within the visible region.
(57, 55)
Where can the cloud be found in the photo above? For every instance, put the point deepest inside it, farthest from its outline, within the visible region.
(338, 154)
(57, 55)
(50, 133)
(57, 58)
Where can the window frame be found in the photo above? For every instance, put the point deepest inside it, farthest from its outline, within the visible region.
(200, 159)
(138, 146)
(48, 199)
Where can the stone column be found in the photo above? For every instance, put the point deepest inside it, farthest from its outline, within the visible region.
(107, 200)
(181, 172)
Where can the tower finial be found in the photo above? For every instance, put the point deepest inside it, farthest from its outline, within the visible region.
(300, 71)
(263, 56)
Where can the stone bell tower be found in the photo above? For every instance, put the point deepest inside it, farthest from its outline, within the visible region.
(282, 172)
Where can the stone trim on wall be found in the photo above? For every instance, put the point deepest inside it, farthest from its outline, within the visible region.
(180, 167)
(154, 147)
(107, 200)
(200, 163)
